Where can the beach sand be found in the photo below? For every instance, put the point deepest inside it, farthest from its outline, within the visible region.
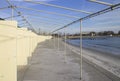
(105, 60)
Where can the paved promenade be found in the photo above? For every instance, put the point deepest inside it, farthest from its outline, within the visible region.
(50, 63)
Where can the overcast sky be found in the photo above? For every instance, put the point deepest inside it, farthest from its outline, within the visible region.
(49, 22)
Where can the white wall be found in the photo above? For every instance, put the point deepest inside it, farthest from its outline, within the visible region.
(16, 45)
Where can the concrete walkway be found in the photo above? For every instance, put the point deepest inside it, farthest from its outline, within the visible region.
(49, 64)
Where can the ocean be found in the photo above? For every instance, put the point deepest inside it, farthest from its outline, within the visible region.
(104, 44)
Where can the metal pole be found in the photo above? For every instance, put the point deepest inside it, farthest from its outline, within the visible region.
(58, 41)
(80, 49)
(101, 2)
(8, 1)
(57, 6)
(65, 47)
(4, 8)
(38, 15)
(12, 14)
(47, 12)
(54, 40)
(116, 6)
(39, 31)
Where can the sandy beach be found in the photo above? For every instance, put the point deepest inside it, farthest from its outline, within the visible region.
(105, 60)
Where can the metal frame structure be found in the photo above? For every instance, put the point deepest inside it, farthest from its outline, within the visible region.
(58, 41)
(56, 6)
(21, 23)
(42, 22)
(81, 49)
(90, 15)
(5, 7)
(14, 8)
(46, 20)
(101, 2)
(54, 13)
(65, 38)
(64, 15)
(12, 17)
(111, 8)
(35, 15)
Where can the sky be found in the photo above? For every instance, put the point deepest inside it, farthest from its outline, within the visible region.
(48, 22)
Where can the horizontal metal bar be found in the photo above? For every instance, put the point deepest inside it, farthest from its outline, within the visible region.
(46, 20)
(101, 2)
(14, 7)
(36, 15)
(56, 6)
(54, 13)
(4, 8)
(12, 16)
(48, 23)
(22, 23)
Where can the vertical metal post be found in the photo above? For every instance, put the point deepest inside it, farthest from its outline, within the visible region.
(58, 41)
(80, 49)
(39, 31)
(65, 47)
(54, 40)
(12, 14)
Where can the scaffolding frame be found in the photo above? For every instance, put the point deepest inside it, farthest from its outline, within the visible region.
(110, 8)
(56, 6)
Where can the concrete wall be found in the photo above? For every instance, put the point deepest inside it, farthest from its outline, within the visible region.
(16, 46)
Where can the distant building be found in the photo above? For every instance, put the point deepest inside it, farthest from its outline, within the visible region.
(119, 33)
(92, 34)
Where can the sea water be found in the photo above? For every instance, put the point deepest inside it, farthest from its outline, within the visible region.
(104, 44)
